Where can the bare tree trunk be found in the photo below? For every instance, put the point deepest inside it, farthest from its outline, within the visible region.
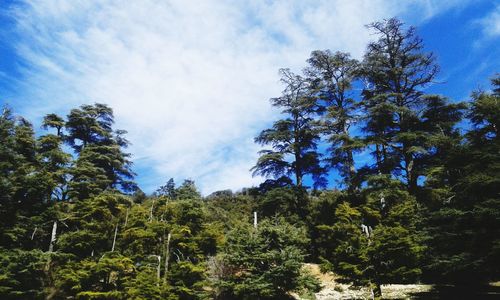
(151, 212)
(255, 219)
(114, 238)
(350, 159)
(352, 171)
(167, 257)
(158, 270)
(53, 237)
(34, 231)
(126, 217)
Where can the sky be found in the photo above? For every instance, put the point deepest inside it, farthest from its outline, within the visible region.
(191, 80)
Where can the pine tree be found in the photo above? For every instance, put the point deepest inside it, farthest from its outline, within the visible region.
(293, 139)
(168, 190)
(396, 70)
(187, 190)
(261, 263)
(465, 225)
(378, 242)
(332, 76)
(101, 162)
(23, 184)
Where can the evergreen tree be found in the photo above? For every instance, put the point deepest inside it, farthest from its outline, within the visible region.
(168, 189)
(293, 139)
(465, 225)
(187, 190)
(261, 263)
(54, 121)
(332, 76)
(101, 162)
(23, 187)
(378, 242)
(396, 70)
(54, 163)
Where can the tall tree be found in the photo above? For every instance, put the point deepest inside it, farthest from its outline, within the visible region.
(55, 163)
(378, 242)
(187, 190)
(89, 125)
(53, 121)
(294, 138)
(23, 187)
(396, 70)
(465, 226)
(54, 160)
(332, 76)
(101, 161)
(168, 189)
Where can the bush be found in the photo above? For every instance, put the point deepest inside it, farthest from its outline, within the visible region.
(262, 263)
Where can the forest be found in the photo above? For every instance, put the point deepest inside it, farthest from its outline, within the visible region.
(424, 208)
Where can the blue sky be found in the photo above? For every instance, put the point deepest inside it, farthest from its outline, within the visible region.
(190, 80)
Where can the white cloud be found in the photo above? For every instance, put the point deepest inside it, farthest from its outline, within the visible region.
(189, 80)
(491, 23)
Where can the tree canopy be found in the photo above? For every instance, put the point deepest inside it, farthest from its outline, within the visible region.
(424, 208)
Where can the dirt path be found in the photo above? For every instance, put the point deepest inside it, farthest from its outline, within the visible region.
(333, 290)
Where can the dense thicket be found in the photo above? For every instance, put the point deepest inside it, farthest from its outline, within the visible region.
(424, 207)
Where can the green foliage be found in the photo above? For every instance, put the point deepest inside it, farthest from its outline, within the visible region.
(168, 189)
(426, 209)
(187, 190)
(465, 227)
(332, 75)
(101, 163)
(293, 139)
(262, 263)
(290, 203)
(377, 241)
(22, 274)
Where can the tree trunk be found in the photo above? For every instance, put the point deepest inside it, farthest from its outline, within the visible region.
(151, 212)
(167, 257)
(376, 291)
(299, 180)
(114, 238)
(34, 231)
(53, 237)
(352, 171)
(410, 174)
(298, 169)
(349, 164)
(126, 218)
(378, 157)
(158, 270)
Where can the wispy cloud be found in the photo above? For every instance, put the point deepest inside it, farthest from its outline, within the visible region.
(491, 23)
(189, 80)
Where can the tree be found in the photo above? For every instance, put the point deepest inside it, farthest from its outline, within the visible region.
(24, 188)
(287, 202)
(465, 225)
(262, 263)
(101, 162)
(332, 76)
(168, 189)
(187, 190)
(54, 121)
(54, 163)
(293, 139)
(378, 242)
(22, 275)
(396, 70)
